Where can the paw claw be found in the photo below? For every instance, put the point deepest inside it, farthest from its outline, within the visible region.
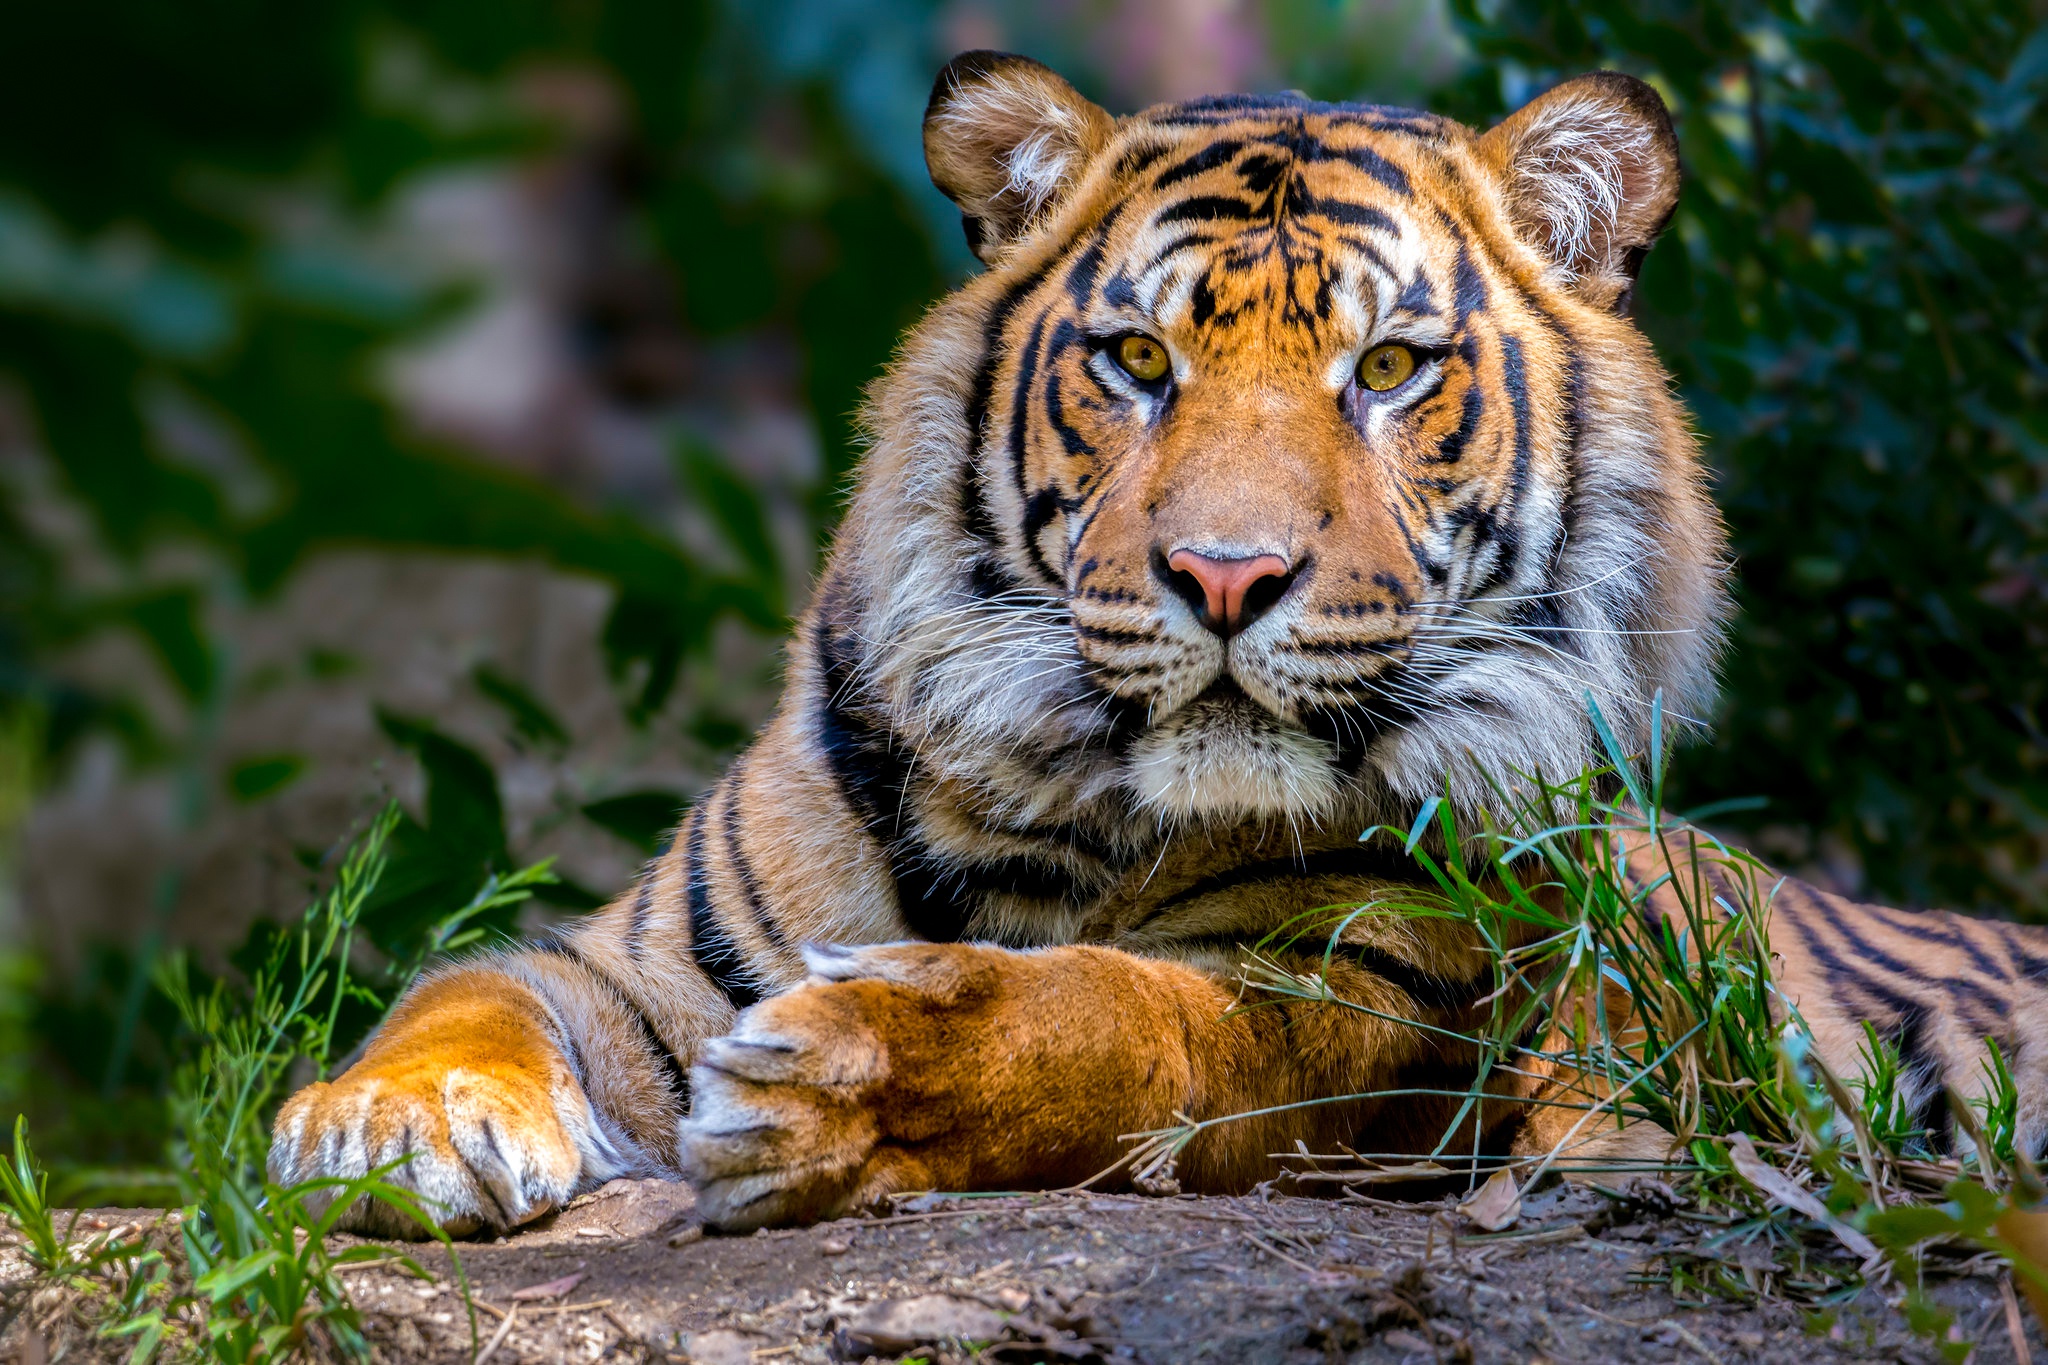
(479, 1149)
(829, 962)
(750, 1059)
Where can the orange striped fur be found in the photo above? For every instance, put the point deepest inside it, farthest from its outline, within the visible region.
(1108, 668)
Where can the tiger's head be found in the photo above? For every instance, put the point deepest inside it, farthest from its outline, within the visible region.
(1288, 459)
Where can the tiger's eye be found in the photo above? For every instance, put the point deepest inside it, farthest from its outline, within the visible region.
(1386, 367)
(1142, 358)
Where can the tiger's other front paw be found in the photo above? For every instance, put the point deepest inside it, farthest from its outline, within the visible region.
(908, 1067)
(497, 1129)
(785, 1117)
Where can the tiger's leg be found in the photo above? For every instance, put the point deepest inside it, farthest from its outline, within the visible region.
(512, 1083)
(518, 1079)
(962, 1067)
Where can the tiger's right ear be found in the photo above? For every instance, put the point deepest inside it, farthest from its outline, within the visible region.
(1004, 138)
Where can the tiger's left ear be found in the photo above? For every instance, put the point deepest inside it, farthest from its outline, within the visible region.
(1591, 173)
(1005, 138)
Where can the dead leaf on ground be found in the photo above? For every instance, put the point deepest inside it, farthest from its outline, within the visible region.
(2027, 1231)
(553, 1289)
(1776, 1186)
(1495, 1205)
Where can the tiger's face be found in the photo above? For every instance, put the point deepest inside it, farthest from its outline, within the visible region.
(1318, 434)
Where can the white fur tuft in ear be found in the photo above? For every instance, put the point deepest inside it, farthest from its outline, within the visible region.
(1591, 175)
(1575, 172)
(1005, 138)
(1040, 167)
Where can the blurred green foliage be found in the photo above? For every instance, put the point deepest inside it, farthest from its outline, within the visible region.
(189, 202)
(144, 250)
(1853, 297)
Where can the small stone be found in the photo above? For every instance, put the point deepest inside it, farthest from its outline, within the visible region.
(723, 1347)
(1407, 1341)
(1011, 1299)
(928, 1320)
(833, 1246)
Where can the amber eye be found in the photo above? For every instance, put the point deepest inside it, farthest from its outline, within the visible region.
(1142, 358)
(1386, 367)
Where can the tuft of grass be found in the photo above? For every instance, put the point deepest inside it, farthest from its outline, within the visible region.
(248, 1275)
(1671, 1020)
(1615, 1010)
(24, 1189)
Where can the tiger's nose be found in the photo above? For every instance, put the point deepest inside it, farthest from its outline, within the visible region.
(1227, 594)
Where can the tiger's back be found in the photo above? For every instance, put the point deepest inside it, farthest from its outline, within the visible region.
(1290, 464)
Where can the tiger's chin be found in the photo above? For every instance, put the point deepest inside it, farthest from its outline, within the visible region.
(1224, 758)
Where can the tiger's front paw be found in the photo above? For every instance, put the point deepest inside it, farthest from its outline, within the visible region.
(497, 1129)
(853, 1086)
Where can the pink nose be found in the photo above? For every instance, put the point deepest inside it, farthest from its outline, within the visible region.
(1232, 592)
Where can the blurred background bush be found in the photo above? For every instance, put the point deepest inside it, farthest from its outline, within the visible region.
(448, 400)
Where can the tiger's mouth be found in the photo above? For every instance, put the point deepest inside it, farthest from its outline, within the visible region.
(1225, 756)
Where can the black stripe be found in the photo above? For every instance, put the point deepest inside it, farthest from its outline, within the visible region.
(1114, 637)
(1918, 1066)
(1367, 160)
(1353, 728)
(1088, 263)
(1386, 118)
(973, 503)
(1016, 875)
(1020, 426)
(1468, 286)
(1065, 337)
(1890, 1006)
(1165, 253)
(1452, 448)
(1342, 647)
(750, 888)
(1140, 159)
(1343, 212)
(643, 906)
(554, 945)
(1426, 989)
(874, 780)
(988, 578)
(1574, 486)
(1380, 862)
(713, 950)
(1417, 296)
(1215, 154)
(1959, 989)
(1206, 208)
(2025, 965)
(936, 895)
(1942, 929)
(1503, 517)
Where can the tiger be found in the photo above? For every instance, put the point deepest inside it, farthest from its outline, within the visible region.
(1287, 465)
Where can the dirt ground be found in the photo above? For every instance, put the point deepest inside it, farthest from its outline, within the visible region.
(626, 1273)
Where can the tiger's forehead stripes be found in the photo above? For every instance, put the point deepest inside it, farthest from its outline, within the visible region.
(1276, 216)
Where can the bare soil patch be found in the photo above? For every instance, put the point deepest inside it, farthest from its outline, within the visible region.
(627, 1273)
